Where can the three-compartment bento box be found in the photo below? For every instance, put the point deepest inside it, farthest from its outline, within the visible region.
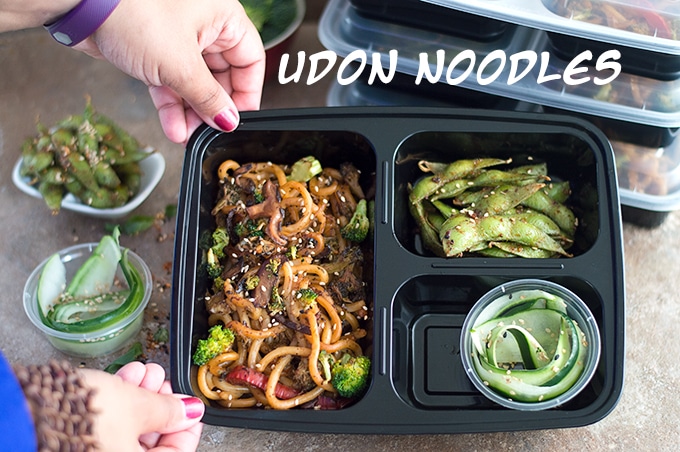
(416, 301)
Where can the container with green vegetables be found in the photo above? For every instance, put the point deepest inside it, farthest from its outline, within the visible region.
(89, 164)
(277, 22)
(89, 299)
(418, 297)
(530, 344)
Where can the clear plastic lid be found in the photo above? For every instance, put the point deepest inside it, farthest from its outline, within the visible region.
(627, 97)
(360, 94)
(343, 30)
(644, 24)
(648, 178)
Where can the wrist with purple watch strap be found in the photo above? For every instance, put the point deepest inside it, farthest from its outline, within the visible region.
(80, 22)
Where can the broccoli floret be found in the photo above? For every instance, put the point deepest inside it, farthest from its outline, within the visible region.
(304, 169)
(214, 271)
(205, 240)
(218, 284)
(307, 297)
(252, 282)
(240, 230)
(292, 252)
(219, 340)
(220, 239)
(273, 266)
(276, 303)
(213, 266)
(326, 360)
(258, 196)
(350, 375)
(248, 228)
(357, 228)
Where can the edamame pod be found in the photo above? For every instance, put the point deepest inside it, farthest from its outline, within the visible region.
(558, 191)
(503, 198)
(519, 250)
(557, 211)
(459, 234)
(33, 163)
(535, 169)
(507, 228)
(77, 166)
(459, 169)
(105, 175)
(428, 232)
(53, 175)
(105, 198)
(52, 195)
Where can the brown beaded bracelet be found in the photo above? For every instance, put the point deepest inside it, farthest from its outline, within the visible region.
(59, 403)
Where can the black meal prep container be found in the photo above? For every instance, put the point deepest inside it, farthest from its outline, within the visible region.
(650, 123)
(344, 30)
(645, 27)
(654, 22)
(648, 167)
(419, 301)
(661, 66)
(647, 34)
(432, 17)
(633, 112)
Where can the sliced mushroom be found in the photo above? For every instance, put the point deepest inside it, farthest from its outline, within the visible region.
(270, 208)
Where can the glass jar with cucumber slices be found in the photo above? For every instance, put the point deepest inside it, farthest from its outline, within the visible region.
(89, 299)
(530, 344)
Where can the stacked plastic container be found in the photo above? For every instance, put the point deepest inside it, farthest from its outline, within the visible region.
(638, 109)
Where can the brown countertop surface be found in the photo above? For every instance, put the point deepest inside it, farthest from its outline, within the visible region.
(40, 78)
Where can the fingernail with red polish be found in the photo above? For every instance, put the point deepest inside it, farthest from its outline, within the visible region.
(193, 407)
(226, 120)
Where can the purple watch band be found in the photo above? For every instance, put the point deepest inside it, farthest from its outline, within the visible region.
(81, 21)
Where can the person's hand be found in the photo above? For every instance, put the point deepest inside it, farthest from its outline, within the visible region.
(202, 60)
(136, 410)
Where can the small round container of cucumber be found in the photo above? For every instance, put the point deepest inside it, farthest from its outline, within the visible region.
(89, 299)
(530, 344)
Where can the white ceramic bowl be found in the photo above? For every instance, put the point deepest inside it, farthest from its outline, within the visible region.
(152, 168)
(97, 343)
(495, 301)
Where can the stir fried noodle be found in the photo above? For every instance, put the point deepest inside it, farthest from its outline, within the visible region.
(288, 283)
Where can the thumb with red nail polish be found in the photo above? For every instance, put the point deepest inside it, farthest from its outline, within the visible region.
(193, 407)
(137, 410)
(227, 120)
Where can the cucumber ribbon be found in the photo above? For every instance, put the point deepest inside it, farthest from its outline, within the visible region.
(89, 303)
(531, 352)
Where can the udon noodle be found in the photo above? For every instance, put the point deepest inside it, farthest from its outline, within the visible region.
(284, 240)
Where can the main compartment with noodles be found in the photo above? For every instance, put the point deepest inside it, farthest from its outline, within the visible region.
(288, 279)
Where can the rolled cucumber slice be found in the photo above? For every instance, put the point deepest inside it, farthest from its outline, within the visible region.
(78, 310)
(51, 284)
(97, 274)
